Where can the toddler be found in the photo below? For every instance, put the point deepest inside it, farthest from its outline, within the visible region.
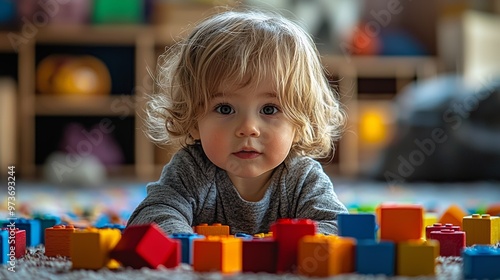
(246, 100)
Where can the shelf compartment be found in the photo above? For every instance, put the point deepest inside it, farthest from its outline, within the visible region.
(114, 105)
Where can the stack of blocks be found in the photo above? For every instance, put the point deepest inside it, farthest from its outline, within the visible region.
(389, 243)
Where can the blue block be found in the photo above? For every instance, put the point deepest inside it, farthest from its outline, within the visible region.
(481, 262)
(375, 257)
(244, 236)
(4, 246)
(46, 221)
(32, 228)
(358, 226)
(187, 240)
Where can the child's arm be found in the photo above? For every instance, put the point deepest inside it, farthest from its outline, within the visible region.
(315, 198)
(165, 207)
(173, 202)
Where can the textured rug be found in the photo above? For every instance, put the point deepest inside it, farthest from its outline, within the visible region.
(35, 265)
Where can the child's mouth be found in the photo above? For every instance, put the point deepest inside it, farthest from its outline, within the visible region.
(247, 154)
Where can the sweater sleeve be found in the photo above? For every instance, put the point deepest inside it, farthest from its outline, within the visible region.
(173, 200)
(315, 197)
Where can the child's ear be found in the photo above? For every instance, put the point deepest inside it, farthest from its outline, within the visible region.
(195, 133)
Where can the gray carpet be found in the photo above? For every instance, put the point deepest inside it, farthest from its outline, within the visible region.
(35, 265)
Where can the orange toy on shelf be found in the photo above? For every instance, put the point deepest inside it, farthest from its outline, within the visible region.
(73, 75)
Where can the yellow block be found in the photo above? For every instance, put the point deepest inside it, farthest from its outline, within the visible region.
(429, 220)
(90, 248)
(481, 229)
(417, 257)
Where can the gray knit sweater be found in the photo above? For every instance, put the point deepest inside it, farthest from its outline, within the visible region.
(193, 191)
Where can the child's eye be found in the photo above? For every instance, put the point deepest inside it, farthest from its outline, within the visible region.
(269, 110)
(224, 109)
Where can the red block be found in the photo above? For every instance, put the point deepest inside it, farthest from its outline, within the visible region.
(147, 246)
(451, 242)
(259, 255)
(20, 241)
(288, 232)
(439, 227)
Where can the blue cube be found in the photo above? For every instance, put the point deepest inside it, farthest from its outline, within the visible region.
(374, 257)
(481, 262)
(4, 246)
(186, 240)
(32, 228)
(358, 226)
(46, 221)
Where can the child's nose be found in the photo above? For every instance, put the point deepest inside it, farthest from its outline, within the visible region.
(248, 128)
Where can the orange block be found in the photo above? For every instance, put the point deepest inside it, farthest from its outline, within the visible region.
(401, 222)
(493, 210)
(218, 253)
(57, 240)
(324, 256)
(453, 215)
(481, 229)
(214, 229)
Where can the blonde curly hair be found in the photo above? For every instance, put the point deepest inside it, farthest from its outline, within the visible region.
(237, 46)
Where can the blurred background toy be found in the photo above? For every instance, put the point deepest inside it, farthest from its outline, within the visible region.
(73, 75)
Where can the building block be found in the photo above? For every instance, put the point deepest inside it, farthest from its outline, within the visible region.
(429, 220)
(214, 229)
(32, 228)
(243, 236)
(323, 256)
(358, 226)
(493, 209)
(375, 258)
(481, 229)
(46, 221)
(417, 257)
(263, 235)
(90, 248)
(147, 246)
(259, 255)
(186, 240)
(453, 215)
(4, 247)
(401, 222)
(120, 227)
(451, 242)
(12, 244)
(481, 262)
(439, 227)
(18, 241)
(288, 232)
(58, 240)
(218, 253)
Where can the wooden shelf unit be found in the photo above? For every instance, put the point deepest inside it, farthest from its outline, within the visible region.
(350, 70)
(148, 42)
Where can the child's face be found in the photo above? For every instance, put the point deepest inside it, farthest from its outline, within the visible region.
(245, 132)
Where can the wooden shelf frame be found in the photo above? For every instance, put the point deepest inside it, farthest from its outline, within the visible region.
(147, 41)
